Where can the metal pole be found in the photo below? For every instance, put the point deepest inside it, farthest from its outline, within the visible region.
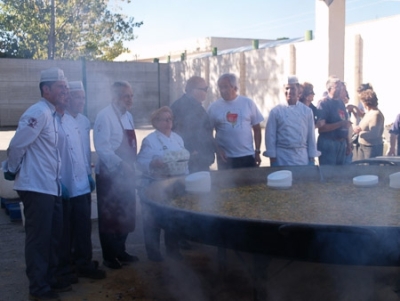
(52, 34)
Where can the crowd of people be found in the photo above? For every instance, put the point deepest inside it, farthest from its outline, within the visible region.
(49, 160)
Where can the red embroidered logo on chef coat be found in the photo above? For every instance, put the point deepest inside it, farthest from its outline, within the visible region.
(32, 122)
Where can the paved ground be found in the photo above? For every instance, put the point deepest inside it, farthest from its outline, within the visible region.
(197, 277)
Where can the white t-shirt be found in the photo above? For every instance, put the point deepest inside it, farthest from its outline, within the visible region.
(233, 121)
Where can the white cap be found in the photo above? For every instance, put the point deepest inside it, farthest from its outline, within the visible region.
(76, 86)
(52, 75)
(292, 79)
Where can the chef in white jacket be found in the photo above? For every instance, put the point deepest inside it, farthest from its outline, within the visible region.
(115, 142)
(34, 162)
(290, 132)
(77, 179)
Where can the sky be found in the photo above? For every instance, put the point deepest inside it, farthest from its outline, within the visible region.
(166, 21)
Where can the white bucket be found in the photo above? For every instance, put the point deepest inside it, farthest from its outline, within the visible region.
(21, 207)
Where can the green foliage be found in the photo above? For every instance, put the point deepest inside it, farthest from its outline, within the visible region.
(82, 28)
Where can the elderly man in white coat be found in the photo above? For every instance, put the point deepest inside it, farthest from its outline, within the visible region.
(115, 143)
(290, 132)
(34, 162)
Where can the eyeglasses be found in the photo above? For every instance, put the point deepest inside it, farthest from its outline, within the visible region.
(165, 119)
(205, 89)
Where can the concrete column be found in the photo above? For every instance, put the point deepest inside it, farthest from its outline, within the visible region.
(330, 31)
(242, 76)
(292, 61)
(358, 65)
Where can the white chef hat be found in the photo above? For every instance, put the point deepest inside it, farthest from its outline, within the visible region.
(292, 79)
(52, 75)
(76, 86)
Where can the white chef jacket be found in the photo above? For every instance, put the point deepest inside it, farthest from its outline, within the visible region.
(33, 152)
(290, 134)
(108, 135)
(155, 145)
(84, 130)
(74, 165)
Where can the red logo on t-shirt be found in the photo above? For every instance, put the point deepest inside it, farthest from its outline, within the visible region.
(232, 118)
(342, 115)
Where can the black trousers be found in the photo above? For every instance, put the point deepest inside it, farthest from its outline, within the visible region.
(239, 162)
(112, 244)
(64, 248)
(43, 228)
(81, 230)
(152, 234)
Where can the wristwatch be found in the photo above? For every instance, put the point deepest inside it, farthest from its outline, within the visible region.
(257, 151)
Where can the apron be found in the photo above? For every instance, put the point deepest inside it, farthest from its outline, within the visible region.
(116, 191)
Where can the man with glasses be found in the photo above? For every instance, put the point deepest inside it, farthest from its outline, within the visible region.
(192, 123)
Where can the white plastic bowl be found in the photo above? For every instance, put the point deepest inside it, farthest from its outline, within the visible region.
(280, 179)
(365, 180)
(280, 176)
(198, 182)
(394, 180)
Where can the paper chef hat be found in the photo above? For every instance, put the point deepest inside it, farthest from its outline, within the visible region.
(52, 75)
(76, 86)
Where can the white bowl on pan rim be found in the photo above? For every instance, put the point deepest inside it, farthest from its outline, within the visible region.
(280, 179)
(365, 180)
(199, 182)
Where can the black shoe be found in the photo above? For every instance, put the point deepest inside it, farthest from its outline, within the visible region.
(155, 256)
(95, 263)
(184, 244)
(91, 273)
(174, 254)
(112, 264)
(70, 278)
(61, 286)
(50, 295)
(126, 258)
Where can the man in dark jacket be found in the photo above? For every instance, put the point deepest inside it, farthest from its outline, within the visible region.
(192, 123)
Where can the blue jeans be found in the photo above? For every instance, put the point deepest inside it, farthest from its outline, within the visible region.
(333, 152)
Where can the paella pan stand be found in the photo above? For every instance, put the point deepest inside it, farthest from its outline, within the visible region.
(362, 242)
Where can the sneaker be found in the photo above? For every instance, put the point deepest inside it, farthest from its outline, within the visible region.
(61, 286)
(50, 295)
(125, 258)
(112, 264)
(92, 273)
